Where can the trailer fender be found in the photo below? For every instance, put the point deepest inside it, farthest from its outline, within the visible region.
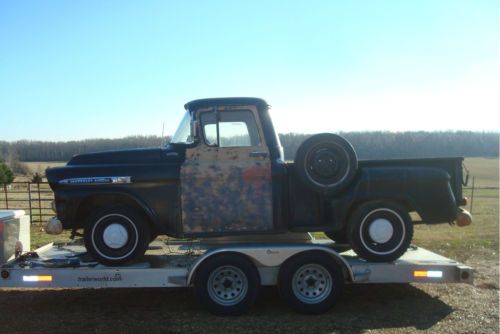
(271, 256)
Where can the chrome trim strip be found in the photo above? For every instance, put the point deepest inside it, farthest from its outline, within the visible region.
(97, 180)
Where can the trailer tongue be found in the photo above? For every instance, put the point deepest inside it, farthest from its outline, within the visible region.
(184, 265)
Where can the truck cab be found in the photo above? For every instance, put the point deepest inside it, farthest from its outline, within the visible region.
(226, 180)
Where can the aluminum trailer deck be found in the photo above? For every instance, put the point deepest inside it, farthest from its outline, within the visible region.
(176, 265)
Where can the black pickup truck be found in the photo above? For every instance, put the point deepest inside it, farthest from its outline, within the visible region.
(223, 173)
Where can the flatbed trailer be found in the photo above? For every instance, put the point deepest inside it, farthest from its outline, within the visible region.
(309, 274)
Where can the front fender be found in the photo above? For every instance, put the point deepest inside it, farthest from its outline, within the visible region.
(72, 204)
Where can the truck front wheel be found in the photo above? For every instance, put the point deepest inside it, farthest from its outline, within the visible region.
(380, 231)
(116, 235)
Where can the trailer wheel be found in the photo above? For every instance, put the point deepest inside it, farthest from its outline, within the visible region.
(227, 284)
(380, 231)
(326, 163)
(310, 282)
(116, 235)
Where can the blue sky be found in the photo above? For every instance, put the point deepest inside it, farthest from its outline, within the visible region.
(87, 69)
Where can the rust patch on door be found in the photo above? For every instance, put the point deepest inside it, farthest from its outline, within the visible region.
(221, 192)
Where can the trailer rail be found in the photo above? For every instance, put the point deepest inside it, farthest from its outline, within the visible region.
(164, 265)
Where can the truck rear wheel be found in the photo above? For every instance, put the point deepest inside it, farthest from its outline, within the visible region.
(326, 163)
(227, 284)
(380, 231)
(310, 282)
(116, 235)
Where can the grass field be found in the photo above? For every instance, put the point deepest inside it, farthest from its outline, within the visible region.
(380, 308)
(484, 170)
(41, 166)
(483, 233)
(451, 240)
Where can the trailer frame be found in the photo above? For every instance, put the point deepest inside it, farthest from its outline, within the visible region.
(175, 264)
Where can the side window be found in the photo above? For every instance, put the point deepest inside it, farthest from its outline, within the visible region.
(208, 124)
(236, 129)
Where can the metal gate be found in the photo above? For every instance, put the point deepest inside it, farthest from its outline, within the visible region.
(34, 198)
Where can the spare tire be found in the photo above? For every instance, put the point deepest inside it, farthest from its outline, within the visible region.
(326, 163)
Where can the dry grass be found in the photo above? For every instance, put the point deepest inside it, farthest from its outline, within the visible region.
(484, 231)
(434, 308)
(41, 166)
(485, 171)
(450, 240)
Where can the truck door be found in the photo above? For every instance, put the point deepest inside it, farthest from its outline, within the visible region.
(226, 178)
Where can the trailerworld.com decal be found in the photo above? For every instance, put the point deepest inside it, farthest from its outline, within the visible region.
(116, 277)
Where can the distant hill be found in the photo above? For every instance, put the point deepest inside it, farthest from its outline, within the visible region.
(368, 145)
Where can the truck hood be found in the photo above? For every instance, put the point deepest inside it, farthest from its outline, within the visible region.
(144, 163)
(130, 156)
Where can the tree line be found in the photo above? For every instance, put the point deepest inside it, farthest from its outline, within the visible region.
(421, 144)
(36, 150)
(368, 145)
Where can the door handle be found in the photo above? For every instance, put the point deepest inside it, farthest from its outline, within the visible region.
(257, 154)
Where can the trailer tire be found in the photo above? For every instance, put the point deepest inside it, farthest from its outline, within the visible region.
(326, 163)
(380, 231)
(310, 282)
(116, 235)
(227, 284)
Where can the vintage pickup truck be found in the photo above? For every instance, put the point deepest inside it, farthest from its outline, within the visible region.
(223, 173)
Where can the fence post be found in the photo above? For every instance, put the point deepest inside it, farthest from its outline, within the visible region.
(29, 200)
(39, 204)
(472, 195)
(6, 197)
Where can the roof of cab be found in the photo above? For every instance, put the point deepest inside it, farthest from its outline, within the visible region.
(225, 101)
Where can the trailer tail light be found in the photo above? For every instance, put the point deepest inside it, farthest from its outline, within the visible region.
(428, 273)
(37, 278)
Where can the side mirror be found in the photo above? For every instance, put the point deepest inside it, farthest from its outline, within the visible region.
(194, 130)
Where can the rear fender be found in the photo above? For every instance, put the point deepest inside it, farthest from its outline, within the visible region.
(422, 189)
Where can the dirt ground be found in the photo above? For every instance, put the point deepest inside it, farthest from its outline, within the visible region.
(447, 308)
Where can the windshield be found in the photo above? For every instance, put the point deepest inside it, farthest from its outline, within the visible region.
(183, 133)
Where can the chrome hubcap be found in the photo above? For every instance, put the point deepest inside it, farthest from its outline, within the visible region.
(115, 236)
(381, 230)
(227, 285)
(312, 283)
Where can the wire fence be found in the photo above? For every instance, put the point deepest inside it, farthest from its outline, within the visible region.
(34, 198)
